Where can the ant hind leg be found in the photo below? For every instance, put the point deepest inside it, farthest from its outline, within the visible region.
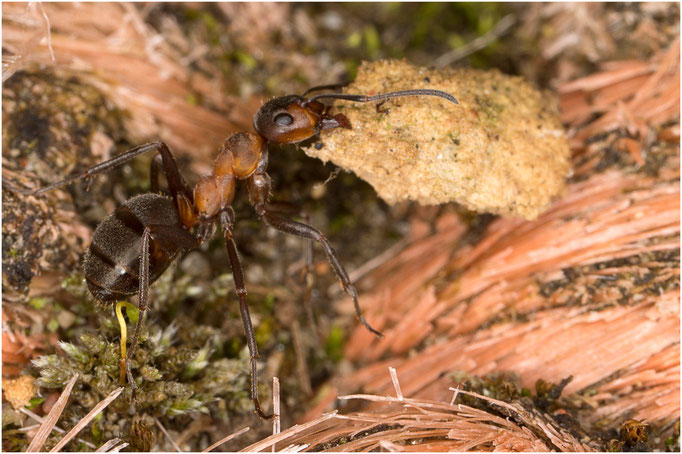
(176, 183)
(154, 168)
(227, 221)
(143, 302)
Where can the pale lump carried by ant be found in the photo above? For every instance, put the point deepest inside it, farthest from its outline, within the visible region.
(503, 150)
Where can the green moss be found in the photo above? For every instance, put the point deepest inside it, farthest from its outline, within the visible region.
(245, 59)
(74, 352)
(95, 429)
(335, 344)
(425, 17)
(171, 380)
(265, 330)
(53, 325)
(34, 402)
(372, 41)
(13, 439)
(269, 301)
(354, 39)
(197, 363)
(39, 303)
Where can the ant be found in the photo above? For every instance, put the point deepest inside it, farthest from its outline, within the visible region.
(133, 246)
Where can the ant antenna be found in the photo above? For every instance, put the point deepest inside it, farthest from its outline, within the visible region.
(393, 94)
(324, 87)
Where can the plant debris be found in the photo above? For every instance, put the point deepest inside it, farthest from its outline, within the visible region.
(408, 424)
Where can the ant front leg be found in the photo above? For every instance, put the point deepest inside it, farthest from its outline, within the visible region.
(259, 189)
(227, 222)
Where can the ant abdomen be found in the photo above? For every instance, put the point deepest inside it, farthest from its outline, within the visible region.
(112, 262)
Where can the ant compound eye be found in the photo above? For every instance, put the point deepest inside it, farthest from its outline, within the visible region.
(283, 119)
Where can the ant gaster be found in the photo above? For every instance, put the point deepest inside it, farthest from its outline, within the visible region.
(134, 245)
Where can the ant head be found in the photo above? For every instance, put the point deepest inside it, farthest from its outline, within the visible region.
(288, 119)
(293, 118)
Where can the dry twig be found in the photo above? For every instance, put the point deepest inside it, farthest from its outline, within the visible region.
(273, 439)
(55, 428)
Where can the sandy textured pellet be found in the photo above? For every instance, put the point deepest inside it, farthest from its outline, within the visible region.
(501, 150)
(20, 391)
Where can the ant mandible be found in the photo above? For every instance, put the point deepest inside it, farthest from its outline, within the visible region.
(133, 246)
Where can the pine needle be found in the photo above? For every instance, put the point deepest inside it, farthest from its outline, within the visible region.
(167, 435)
(52, 417)
(87, 418)
(109, 445)
(226, 439)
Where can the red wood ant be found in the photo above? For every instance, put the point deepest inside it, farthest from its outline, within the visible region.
(133, 246)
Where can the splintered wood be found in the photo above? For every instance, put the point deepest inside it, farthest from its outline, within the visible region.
(112, 47)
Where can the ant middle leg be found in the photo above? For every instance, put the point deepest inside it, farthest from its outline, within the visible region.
(227, 222)
(305, 231)
(259, 190)
(307, 274)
